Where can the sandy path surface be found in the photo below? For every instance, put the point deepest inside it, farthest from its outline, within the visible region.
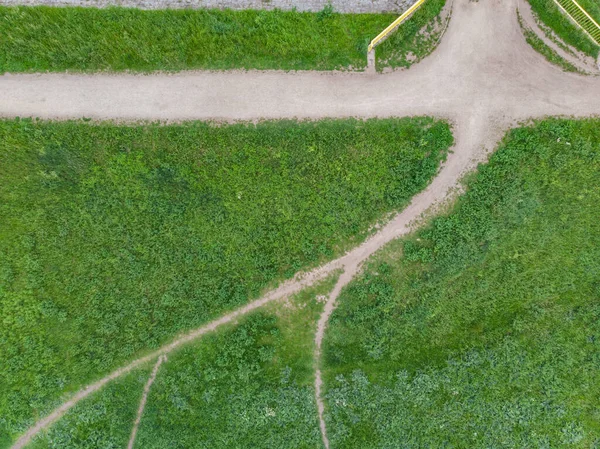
(483, 77)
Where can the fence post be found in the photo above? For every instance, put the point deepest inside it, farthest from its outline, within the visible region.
(371, 69)
(385, 33)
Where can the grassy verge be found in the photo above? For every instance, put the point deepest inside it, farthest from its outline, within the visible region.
(38, 39)
(538, 45)
(482, 330)
(415, 39)
(103, 420)
(250, 386)
(113, 239)
(552, 16)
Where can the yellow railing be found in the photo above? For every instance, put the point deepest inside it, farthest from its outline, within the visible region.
(581, 17)
(384, 34)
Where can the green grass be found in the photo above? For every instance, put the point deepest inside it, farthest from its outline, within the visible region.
(250, 386)
(38, 39)
(552, 16)
(113, 239)
(483, 329)
(104, 420)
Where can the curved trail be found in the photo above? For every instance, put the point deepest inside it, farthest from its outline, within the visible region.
(483, 77)
(474, 139)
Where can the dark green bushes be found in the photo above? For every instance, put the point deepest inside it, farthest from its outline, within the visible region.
(486, 333)
(113, 239)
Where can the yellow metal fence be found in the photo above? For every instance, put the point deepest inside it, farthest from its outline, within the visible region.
(580, 16)
(395, 24)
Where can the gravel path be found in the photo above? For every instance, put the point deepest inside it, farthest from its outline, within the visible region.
(483, 77)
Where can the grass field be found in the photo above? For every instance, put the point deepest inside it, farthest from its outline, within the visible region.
(39, 39)
(255, 389)
(552, 16)
(113, 239)
(483, 329)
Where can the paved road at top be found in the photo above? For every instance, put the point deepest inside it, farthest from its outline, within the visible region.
(483, 77)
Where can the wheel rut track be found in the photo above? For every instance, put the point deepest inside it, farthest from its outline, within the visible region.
(483, 77)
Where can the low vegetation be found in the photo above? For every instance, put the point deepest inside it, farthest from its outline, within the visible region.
(113, 239)
(250, 386)
(483, 329)
(552, 16)
(38, 39)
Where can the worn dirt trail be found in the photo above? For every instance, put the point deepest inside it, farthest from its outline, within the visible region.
(145, 392)
(483, 77)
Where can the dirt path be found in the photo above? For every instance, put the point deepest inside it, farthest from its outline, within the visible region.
(483, 77)
(475, 136)
(140, 412)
